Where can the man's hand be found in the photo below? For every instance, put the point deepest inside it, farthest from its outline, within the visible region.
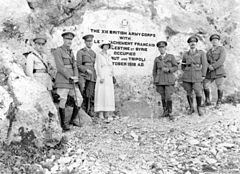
(89, 71)
(165, 69)
(210, 67)
(101, 80)
(73, 79)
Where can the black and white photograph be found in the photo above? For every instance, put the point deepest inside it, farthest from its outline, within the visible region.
(119, 87)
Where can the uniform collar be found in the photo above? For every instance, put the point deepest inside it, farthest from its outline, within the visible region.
(66, 48)
(37, 53)
(163, 55)
(87, 49)
(215, 48)
(193, 51)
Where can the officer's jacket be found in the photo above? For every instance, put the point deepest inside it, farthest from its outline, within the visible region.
(159, 76)
(66, 66)
(38, 67)
(36, 62)
(85, 60)
(216, 58)
(194, 66)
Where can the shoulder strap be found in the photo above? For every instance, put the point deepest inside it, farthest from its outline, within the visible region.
(92, 59)
(44, 63)
(70, 54)
(193, 61)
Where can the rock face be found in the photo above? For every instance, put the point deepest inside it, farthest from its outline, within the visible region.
(173, 20)
(28, 114)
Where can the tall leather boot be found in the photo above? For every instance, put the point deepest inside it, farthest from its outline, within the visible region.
(219, 100)
(74, 116)
(165, 112)
(207, 97)
(169, 108)
(199, 101)
(64, 123)
(190, 102)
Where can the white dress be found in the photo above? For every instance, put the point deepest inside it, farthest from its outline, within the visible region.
(104, 92)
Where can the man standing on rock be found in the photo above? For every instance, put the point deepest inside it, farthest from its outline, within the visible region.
(66, 79)
(194, 66)
(163, 68)
(87, 75)
(216, 57)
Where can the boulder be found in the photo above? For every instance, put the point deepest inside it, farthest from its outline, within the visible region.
(32, 116)
(83, 117)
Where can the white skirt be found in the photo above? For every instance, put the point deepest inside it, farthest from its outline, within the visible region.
(104, 99)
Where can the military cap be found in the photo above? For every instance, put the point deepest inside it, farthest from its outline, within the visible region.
(162, 44)
(68, 35)
(192, 39)
(40, 37)
(88, 37)
(214, 36)
(105, 43)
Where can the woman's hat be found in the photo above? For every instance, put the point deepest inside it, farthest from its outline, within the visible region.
(105, 43)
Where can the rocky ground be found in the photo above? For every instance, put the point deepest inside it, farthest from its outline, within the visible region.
(132, 145)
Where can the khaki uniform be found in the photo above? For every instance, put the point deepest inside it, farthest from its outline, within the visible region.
(85, 61)
(66, 67)
(216, 58)
(38, 67)
(164, 81)
(194, 66)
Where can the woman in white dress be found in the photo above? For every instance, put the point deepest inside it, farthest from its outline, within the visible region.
(104, 101)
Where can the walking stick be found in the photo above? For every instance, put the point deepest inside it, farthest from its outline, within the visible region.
(74, 88)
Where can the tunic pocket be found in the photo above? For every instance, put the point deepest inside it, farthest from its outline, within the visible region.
(66, 61)
(198, 74)
(171, 78)
(220, 70)
(159, 65)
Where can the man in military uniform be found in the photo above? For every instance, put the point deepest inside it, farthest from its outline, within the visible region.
(37, 64)
(194, 66)
(66, 78)
(216, 57)
(87, 74)
(163, 68)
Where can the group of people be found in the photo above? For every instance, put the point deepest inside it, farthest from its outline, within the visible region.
(199, 71)
(88, 78)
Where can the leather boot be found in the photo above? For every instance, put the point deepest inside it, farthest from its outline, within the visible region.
(64, 123)
(199, 101)
(169, 108)
(219, 100)
(165, 112)
(207, 97)
(74, 116)
(190, 102)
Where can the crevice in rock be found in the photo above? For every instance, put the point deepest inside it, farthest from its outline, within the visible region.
(170, 32)
(152, 9)
(30, 4)
(13, 107)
